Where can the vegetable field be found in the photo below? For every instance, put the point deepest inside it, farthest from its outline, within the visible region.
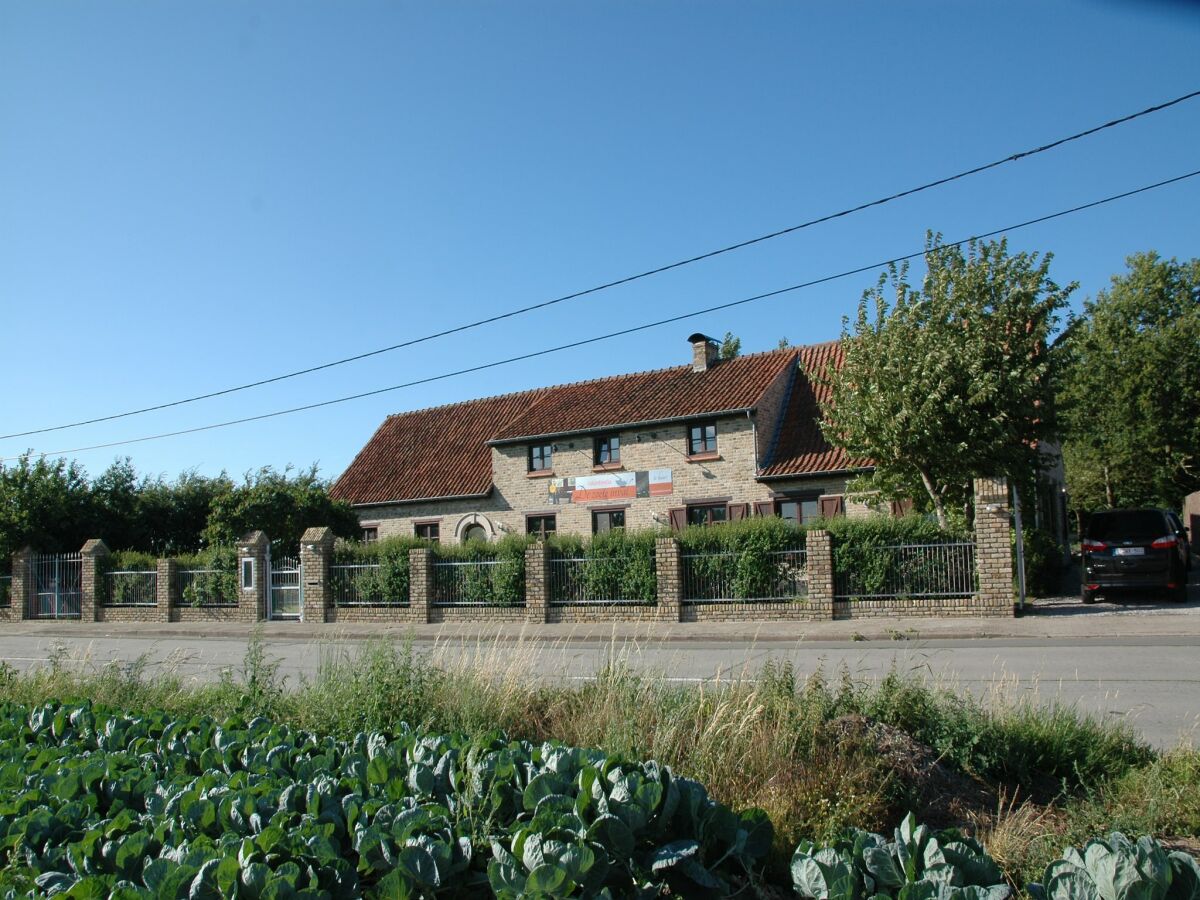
(96, 803)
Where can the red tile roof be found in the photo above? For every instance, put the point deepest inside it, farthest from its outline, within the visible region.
(430, 453)
(452, 457)
(801, 448)
(678, 392)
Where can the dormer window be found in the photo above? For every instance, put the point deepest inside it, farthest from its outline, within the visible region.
(541, 457)
(607, 450)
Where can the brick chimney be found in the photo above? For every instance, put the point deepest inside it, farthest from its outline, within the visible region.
(704, 351)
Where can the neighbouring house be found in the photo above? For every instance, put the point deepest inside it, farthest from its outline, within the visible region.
(711, 441)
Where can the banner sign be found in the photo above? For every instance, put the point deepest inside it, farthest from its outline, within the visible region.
(610, 486)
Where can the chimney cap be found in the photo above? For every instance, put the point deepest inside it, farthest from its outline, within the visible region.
(699, 337)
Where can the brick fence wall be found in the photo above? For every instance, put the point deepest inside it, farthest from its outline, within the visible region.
(994, 596)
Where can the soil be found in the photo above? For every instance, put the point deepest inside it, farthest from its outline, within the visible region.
(940, 795)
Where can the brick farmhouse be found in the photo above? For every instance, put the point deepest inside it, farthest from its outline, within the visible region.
(714, 440)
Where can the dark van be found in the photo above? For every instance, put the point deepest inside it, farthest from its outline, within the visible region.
(1135, 549)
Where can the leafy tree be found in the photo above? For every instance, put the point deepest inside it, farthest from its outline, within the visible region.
(951, 380)
(173, 515)
(1129, 388)
(45, 504)
(784, 344)
(731, 347)
(282, 505)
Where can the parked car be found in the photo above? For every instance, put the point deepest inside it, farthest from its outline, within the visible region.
(1135, 549)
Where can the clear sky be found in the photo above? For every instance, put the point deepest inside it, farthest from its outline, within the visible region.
(196, 195)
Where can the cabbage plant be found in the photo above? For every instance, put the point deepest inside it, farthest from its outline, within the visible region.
(915, 865)
(1120, 869)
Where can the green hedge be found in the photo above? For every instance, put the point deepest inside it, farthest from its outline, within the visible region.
(218, 587)
(501, 585)
(859, 561)
(1043, 563)
(740, 556)
(390, 582)
(619, 565)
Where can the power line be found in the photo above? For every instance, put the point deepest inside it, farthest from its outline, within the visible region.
(613, 334)
(619, 281)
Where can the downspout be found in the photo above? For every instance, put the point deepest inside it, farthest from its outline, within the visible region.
(754, 438)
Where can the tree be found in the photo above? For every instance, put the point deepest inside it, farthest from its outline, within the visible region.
(282, 505)
(1129, 388)
(950, 381)
(731, 347)
(44, 504)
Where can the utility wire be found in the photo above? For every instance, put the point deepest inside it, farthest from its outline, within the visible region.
(624, 331)
(620, 281)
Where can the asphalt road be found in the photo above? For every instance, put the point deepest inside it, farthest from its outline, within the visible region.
(1152, 681)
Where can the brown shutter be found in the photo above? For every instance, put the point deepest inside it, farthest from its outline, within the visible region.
(739, 511)
(678, 517)
(831, 507)
(901, 508)
(764, 508)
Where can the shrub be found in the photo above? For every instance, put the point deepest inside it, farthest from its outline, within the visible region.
(389, 583)
(740, 556)
(1043, 562)
(501, 585)
(619, 565)
(218, 583)
(862, 563)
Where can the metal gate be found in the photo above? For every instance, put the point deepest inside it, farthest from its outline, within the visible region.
(57, 585)
(286, 601)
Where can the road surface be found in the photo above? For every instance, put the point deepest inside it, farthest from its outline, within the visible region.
(1152, 681)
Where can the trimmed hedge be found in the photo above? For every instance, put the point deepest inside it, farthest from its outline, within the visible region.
(619, 564)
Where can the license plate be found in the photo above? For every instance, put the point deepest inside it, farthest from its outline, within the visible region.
(1129, 551)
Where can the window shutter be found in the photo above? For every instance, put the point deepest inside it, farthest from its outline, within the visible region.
(764, 508)
(901, 508)
(831, 507)
(739, 511)
(678, 517)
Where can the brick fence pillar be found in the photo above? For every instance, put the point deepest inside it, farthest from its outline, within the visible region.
(92, 578)
(166, 588)
(420, 582)
(819, 557)
(316, 553)
(22, 584)
(993, 547)
(537, 582)
(253, 585)
(669, 566)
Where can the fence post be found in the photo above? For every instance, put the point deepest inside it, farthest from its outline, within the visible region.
(993, 547)
(91, 578)
(316, 553)
(819, 556)
(253, 585)
(22, 583)
(537, 582)
(420, 582)
(165, 589)
(668, 565)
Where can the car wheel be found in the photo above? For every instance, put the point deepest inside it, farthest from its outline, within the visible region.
(1088, 596)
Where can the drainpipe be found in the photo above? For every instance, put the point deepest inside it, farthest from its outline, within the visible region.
(753, 437)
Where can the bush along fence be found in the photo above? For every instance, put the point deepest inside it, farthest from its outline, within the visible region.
(848, 569)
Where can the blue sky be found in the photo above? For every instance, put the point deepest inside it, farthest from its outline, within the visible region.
(193, 196)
